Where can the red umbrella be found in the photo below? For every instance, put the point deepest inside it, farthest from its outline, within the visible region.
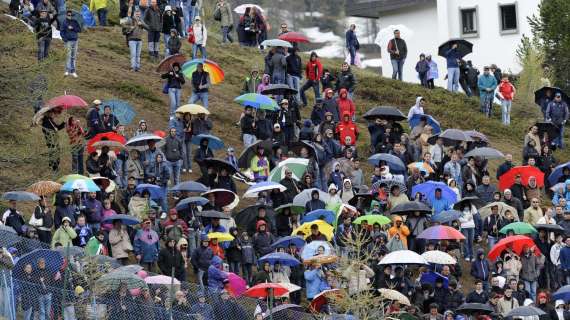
(441, 233)
(508, 179)
(263, 290)
(294, 37)
(515, 243)
(236, 285)
(66, 101)
(321, 299)
(112, 136)
(160, 133)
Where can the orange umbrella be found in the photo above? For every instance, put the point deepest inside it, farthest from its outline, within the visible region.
(44, 188)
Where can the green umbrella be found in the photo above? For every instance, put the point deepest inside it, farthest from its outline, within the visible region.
(298, 166)
(373, 219)
(518, 228)
(115, 279)
(294, 209)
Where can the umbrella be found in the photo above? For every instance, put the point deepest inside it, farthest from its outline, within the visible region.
(131, 268)
(375, 188)
(53, 260)
(124, 218)
(105, 184)
(562, 294)
(311, 249)
(471, 200)
(508, 179)
(140, 142)
(438, 257)
(410, 207)
(302, 198)
(428, 190)
(66, 102)
(524, 311)
(113, 280)
(476, 134)
(557, 173)
(326, 229)
(282, 258)
(285, 242)
(109, 136)
(44, 188)
(403, 257)
(236, 284)
(7, 229)
(215, 71)
(214, 142)
(8, 238)
(189, 186)
(473, 308)
(446, 216)
(220, 164)
(279, 90)
(244, 160)
(298, 167)
(385, 112)
(154, 190)
(503, 208)
(111, 144)
(556, 228)
(322, 298)
(441, 233)
(193, 109)
(289, 311)
(212, 214)
(71, 251)
(294, 209)
(253, 191)
(20, 196)
(222, 197)
(450, 137)
(265, 290)
(297, 146)
(362, 200)
(161, 279)
(540, 94)
(518, 228)
(415, 120)
(71, 177)
(290, 287)
(257, 101)
(242, 8)
(422, 166)
(292, 36)
(390, 294)
(431, 277)
(464, 47)
(515, 243)
(276, 43)
(485, 152)
(221, 236)
(166, 64)
(248, 217)
(39, 116)
(394, 163)
(373, 219)
(122, 110)
(548, 127)
(320, 214)
(83, 185)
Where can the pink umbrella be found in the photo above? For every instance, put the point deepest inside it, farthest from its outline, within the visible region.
(165, 280)
(236, 285)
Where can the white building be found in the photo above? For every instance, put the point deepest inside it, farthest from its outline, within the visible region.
(495, 27)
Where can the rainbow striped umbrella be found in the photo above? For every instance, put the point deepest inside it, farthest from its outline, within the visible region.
(215, 71)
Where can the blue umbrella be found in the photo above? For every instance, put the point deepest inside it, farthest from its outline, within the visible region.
(184, 204)
(154, 190)
(9, 238)
(311, 249)
(20, 196)
(214, 142)
(281, 258)
(446, 216)
(394, 163)
(125, 219)
(83, 185)
(121, 109)
(557, 173)
(415, 120)
(53, 259)
(257, 101)
(431, 277)
(190, 186)
(285, 242)
(327, 215)
(562, 293)
(428, 189)
(254, 190)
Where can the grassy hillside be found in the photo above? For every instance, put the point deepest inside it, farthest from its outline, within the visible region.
(103, 68)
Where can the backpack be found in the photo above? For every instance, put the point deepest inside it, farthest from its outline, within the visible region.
(191, 36)
(218, 14)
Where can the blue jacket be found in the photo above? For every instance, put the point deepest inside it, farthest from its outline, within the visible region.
(432, 73)
(203, 309)
(351, 40)
(69, 30)
(439, 205)
(315, 284)
(216, 277)
(480, 269)
(201, 258)
(147, 251)
(556, 198)
(565, 258)
(486, 82)
(452, 55)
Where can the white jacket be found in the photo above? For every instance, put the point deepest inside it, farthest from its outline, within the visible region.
(467, 218)
(200, 33)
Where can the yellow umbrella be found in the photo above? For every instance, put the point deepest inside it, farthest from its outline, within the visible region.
(220, 236)
(192, 109)
(326, 229)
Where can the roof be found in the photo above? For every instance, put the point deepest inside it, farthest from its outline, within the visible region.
(373, 8)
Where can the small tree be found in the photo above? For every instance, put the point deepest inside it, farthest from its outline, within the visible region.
(534, 74)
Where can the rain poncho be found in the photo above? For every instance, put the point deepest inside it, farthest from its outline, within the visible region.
(416, 108)
(216, 277)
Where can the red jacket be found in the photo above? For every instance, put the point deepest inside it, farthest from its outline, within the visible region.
(507, 90)
(345, 105)
(314, 70)
(347, 129)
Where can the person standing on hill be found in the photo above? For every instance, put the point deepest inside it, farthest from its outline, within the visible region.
(557, 113)
(70, 36)
(200, 38)
(352, 43)
(398, 51)
(169, 21)
(153, 20)
(224, 10)
(487, 84)
(99, 7)
(507, 92)
(134, 32)
(294, 73)
(42, 27)
(200, 85)
(452, 56)
(345, 80)
(313, 71)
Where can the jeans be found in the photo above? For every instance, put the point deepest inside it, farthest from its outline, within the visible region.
(166, 37)
(530, 287)
(102, 16)
(352, 52)
(200, 277)
(309, 84)
(234, 267)
(202, 49)
(423, 79)
(153, 41)
(226, 35)
(187, 163)
(469, 234)
(164, 199)
(135, 46)
(69, 313)
(278, 78)
(506, 108)
(491, 241)
(77, 159)
(43, 48)
(71, 56)
(248, 140)
(174, 96)
(559, 141)
(294, 82)
(486, 101)
(174, 167)
(29, 314)
(44, 301)
(453, 79)
(187, 15)
(247, 272)
(201, 96)
(397, 68)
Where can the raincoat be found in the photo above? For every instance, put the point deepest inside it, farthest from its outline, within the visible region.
(216, 277)
(147, 245)
(345, 105)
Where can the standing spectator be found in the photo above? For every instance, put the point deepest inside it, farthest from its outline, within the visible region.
(507, 92)
(42, 27)
(201, 258)
(200, 84)
(345, 80)
(226, 18)
(557, 113)
(472, 78)
(169, 21)
(64, 235)
(433, 73)
(248, 127)
(313, 72)
(109, 121)
(278, 63)
(452, 57)
(146, 246)
(174, 43)
(76, 142)
(564, 259)
(70, 35)
(153, 19)
(120, 242)
(175, 80)
(294, 73)
(422, 68)
(99, 7)
(530, 271)
(171, 262)
(134, 32)
(44, 220)
(398, 51)
(252, 81)
(487, 84)
(14, 218)
(480, 270)
(45, 280)
(352, 43)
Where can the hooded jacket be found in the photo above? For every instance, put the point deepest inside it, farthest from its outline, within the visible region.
(262, 240)
(480, 268)
(201, 258)
(347, 129)
(345, 104)
(147, 245)
(346, 80)
(265, 83)
(251, 83)
(330, 104)
(171, 258)
(313, 69)
(416, 108)
(216, 277)
(294, 65)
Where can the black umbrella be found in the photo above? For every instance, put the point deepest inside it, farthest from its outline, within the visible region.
(410, 207)
(361, 200)
(476, 134)
(540, 94)
(248, 153)
(246, 218)
(473, 200)
(296, 147)
(473, 308)
(451, 137)
(548, 127)
(527, 311)
(557, 229)
(279, 90)
(220, 164)
(212, 214)
(385, 112)
(485, 152)
(464, 47)
(389, 183)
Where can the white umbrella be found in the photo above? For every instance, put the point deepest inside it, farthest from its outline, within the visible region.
(403, 257)
(254, 190)
(241, 8)
(394, 295)
(386, 34)
(438, 257)
(276, 43)
(140, 142)
(301, 199)
(290, 287)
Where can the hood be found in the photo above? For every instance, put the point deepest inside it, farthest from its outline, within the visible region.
(254, 71)
(346, 114)
(329, 90)
(232, 229)
(259, 224)
(175, 31)
(345, 182)
(566, 184)
(343, 94)
(334, 166)
(332, 186)
(307, 123)
(418, 99)
(216, 262)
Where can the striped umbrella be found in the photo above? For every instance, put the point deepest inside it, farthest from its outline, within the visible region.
(257, 101)
(214, 70)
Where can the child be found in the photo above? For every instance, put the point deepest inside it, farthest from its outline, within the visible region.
(422, 67)
(174, 43)
(248, 257)
(83, 232)
(432, 73)
(507, 93)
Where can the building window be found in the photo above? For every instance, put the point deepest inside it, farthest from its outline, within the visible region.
(469, 21)
(508, 17)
